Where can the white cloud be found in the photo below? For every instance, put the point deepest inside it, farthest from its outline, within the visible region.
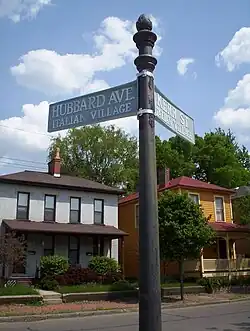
(27, 131)
(54, 74)
(183, 64)
(237, 51)
(18, 10)
(25, 136)
(235, 113)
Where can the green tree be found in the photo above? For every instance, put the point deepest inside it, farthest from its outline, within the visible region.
(106, 155)
(183, 230)
(176, 154)
(216, 158)
(241, 210)
(220, 160)
(12, 251)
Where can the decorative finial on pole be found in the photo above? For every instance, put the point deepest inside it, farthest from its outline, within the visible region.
(144, 23)
(145, 40)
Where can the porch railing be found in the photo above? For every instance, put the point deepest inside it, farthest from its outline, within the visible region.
(225, 264)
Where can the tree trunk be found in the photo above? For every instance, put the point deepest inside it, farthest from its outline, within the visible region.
(181, 266)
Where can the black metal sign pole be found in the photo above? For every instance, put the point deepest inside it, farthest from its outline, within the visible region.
(149, 278)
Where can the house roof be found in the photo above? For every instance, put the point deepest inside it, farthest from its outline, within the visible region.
(229, 227)
(44, 179)
(185, 182)
(63, 228)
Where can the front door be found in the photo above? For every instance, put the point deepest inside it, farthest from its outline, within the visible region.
(34, 248)
(222, 248)
(98, 246)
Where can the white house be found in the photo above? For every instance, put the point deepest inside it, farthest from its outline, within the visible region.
(59, 214)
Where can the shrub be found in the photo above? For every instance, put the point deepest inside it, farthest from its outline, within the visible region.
(103, 265)
(49, 283)
(214, 284)
(122, 285)
(52, 266)
(218, 283)
(77, 276)
(111, 278)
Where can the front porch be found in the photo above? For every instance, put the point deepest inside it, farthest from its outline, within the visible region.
(77, 242)
(222, 259)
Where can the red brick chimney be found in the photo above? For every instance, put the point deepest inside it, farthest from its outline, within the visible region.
(163, 176)
(54, 166)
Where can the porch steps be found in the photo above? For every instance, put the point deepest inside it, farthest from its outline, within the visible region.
(25, 281)
(50, 297)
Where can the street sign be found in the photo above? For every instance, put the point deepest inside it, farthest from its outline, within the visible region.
(174, 119)
(113, 103)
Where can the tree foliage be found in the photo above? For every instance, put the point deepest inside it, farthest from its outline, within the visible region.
(12, 251)
(216, 158)
(183, 229)
(106, 155)
(241, 209)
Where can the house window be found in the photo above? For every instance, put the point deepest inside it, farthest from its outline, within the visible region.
(48, 245)
(75, 210)
(98, 246)
(74, 250)
(137, 216)
(219, 206)
(98, 211)
(50, 208)
(23, 201)
(194, 197)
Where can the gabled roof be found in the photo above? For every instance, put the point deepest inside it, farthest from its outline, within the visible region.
(35, 178)
(182, 182)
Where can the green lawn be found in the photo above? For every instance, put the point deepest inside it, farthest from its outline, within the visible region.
(92, 288)
(175, 284)
(109, 288)
(17, 290)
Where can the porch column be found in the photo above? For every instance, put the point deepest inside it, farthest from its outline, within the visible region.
(202, 263)
(110, 247)
(122, 256)
(234, 251)
(228, 256)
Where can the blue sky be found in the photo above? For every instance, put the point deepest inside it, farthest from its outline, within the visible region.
(34, 68)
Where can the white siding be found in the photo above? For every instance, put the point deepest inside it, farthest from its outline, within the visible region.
(8, 202)
(8, 205)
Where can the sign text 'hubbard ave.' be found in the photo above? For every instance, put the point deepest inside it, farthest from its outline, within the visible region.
(114, 103)
(106, 105)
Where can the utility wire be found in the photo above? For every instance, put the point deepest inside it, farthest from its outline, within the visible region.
(22, 130)
(21, 160)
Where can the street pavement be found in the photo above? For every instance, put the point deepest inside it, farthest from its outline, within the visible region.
(223, 317)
